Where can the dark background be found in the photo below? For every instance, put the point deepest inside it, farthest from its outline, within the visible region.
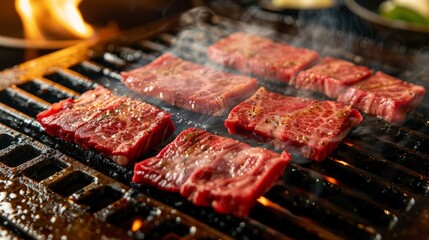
(124, 14)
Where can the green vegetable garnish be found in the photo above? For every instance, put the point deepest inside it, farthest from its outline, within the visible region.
(404, 14)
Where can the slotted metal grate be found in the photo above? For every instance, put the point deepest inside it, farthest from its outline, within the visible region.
(374, 185)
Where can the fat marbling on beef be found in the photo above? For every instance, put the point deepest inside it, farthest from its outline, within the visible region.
(261, 56)
(213, 170)
(121, 128)
(384, 96)
(331, 76)
(189, 85)
(312, 128)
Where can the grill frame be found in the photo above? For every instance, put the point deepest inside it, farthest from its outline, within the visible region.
(312, 208)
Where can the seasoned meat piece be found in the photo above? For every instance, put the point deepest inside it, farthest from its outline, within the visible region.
(65, 117)
(121, 128)
(212, 170)
(384, 96)
(312, 128)
(331, 76)
(261, 56)
(189, 85)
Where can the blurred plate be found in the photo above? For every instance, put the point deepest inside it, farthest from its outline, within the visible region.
(406, 33)
(303, 5)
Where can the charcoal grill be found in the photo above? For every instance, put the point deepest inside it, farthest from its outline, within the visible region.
(374, 186)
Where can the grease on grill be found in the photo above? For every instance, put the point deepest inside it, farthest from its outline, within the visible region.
(28, 211)
(391, 152)
(127, 53)
(322, 187)
(44, 91)
(71, 183)
(111, 61)
(20, 103)
(19, 155)
(11, 231)
(71, 81)
(372, 126)
(380, 190)
(309, 205)
(6, 140)
(44, 169)
(373, 184)
(143, 221)
(131, 217)
(168, 230)
(100, 198)
(387, 169)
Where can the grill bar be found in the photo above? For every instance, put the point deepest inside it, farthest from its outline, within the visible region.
(361, 180)
(392, 152)
(47, 90)
(77, 191)
(306, 204)
(371, 187)
(385, 169)
(327, 188)
(298, 227)
(406, 137)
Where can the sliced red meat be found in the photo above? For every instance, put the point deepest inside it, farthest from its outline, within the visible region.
(64, 117)
(213, 170)
(331, 76)
(312, 128)
(384, 96)
(121, 128)
(189, 85)
(126, 132)
(261, 56)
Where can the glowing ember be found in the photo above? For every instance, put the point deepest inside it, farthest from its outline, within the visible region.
(52, 19)
(341, 162)
(348, 143)
(331, 180)
(137, 224)
(268, 203)
(264, 201)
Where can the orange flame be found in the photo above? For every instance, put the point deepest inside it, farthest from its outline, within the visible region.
(52, 19)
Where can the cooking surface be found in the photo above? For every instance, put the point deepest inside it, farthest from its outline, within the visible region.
(373, 186)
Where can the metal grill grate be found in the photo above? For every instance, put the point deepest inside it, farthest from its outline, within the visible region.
(373, 186)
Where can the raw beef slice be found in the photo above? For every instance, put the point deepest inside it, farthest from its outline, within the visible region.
(384, 96)
(312, 128)
(261, 56)
(213, 170)
(331, 76)
(121, 128)
(189, 85)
